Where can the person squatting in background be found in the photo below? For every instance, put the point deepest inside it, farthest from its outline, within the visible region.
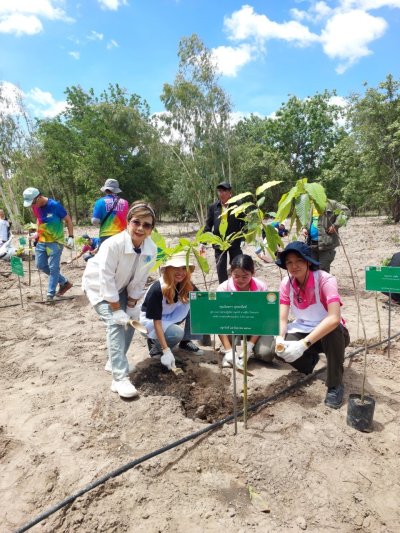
(110, 211)
(50, 216)
(242, 279)
(235, 225)
(89, 249)
(165, 306)
(312, 297)
(114, 281)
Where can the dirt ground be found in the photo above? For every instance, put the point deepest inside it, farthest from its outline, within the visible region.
(298, 465)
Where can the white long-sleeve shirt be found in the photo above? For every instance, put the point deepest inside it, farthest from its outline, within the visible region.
(117, 266)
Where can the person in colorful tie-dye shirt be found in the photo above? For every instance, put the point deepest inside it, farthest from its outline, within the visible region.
(50, 216)
(110, 211)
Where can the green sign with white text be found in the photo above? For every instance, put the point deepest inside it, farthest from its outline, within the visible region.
(382, 279)
(16, 266)
(234, 313)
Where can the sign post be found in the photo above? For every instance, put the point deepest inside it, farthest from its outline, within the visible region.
(18, 269)
(383, 279)
(235, 313)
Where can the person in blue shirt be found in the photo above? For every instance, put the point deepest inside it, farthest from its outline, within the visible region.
(89, 249)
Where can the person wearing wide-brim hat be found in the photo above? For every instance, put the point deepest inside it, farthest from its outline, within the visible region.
(110, 211)
(311, 296)
(165, 306)
(235, 225)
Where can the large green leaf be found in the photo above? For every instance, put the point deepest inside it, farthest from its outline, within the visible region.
(260, 201)
(238, 197)
(202, 262)
(272, 240)
(184, 242)
(303, 208)
(209, 238)
(158, 240)
(285, 204)
(266, 186)
(241, 208)
(223, 224)
(317, 195)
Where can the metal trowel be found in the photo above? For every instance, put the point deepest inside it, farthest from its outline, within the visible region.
(137, 325)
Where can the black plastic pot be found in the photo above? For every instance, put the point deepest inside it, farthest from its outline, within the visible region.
(360, 415)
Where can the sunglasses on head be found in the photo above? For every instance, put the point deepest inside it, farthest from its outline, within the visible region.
(138, 223)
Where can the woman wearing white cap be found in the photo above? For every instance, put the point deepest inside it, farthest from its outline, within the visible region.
(166, 304)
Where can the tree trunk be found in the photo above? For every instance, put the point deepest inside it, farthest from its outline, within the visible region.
(396, 209)
(12, 210)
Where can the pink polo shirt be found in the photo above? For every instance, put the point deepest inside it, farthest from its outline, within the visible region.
(328, 291)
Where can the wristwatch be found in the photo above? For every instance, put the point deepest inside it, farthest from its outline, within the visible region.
(307, 343)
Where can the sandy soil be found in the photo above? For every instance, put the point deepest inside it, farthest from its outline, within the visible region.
(62, 428)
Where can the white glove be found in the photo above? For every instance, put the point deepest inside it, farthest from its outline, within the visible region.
(279, 342)
(120, 317)
(133, 312)
(293, 350)
(250, 353)
(168, 359)
(70, 242)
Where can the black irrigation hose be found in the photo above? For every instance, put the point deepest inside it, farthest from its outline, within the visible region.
(177, 443)
(9, 305)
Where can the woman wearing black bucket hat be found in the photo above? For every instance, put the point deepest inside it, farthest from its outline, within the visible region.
(311, 295)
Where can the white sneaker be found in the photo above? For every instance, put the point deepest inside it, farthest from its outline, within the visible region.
(108, 368)
(124, 387)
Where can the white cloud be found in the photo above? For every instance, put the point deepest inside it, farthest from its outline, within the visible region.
(315, 13)
(113, 5)
(246, 24)
(23, 17)
(112, 44)
(75, 55)
(95, 36)
(345, 32)
(20, 25)
(43, 105)
(346, 36)
(367, 5)
(40, 104)
(229, 60)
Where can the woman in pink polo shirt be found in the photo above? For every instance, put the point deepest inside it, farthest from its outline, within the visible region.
(312, 297)
(242, 279)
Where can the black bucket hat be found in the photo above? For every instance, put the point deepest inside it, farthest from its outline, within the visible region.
(298, 248)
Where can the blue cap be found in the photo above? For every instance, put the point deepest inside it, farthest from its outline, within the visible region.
(299, 248)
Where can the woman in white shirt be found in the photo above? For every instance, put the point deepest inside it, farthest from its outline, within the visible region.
(114, 281)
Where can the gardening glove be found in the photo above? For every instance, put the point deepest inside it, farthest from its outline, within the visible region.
(250, 353)
(293, 350)
(70, 242)
(120, 317)
(168, 359)
(279, 343)
(133, 312)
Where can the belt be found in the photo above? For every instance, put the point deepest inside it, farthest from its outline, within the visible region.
(313, 242)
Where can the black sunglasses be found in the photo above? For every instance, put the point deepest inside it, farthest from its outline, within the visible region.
(145, 225)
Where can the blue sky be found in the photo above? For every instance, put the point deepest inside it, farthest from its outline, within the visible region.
(265, 50)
